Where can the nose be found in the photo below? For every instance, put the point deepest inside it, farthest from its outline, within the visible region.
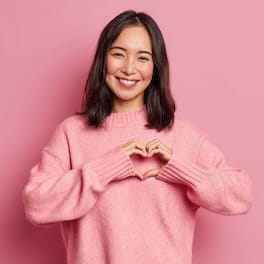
(129, 67)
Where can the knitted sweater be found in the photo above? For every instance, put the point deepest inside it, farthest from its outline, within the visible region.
(86, 182)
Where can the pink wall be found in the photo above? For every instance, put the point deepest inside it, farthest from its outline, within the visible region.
(217, 66)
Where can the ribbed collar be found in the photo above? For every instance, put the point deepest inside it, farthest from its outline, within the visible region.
(138, 116)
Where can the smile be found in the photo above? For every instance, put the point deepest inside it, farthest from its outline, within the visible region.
(127, 82)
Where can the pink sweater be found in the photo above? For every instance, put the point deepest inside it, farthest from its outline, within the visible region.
(85, 181)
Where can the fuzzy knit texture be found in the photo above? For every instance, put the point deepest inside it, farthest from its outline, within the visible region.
(86, 182)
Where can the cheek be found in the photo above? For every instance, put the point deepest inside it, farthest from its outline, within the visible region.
(111, 66)
(147, 72)
(110, 69)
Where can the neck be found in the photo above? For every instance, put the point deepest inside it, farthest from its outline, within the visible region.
(124, 106)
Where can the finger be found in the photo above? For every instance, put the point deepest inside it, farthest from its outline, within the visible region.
(157, 147)
(135, 141)
(154, 144)
(135, 146)
(153, 141)
(151, 173)
(135, 149)
(138, 152)
(164, 154)
(140, 146)
(138, 174)
(152, 149)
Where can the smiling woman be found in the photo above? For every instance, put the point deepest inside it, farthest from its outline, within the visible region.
(125, 177)
(129, 68)
(131, 41)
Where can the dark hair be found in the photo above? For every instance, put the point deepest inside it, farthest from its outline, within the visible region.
(98, 99)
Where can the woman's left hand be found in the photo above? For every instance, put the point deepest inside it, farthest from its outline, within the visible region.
(157, 147)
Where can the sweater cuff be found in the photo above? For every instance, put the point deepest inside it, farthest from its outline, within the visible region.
(115, 165)
(182, 172)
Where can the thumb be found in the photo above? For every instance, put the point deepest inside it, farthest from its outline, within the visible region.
(151, 173)
(139, 174)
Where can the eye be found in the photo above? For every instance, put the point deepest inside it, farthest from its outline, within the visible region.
(143, 59)
(117, 55)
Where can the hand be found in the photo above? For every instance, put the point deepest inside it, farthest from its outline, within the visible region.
(137, 147)
(157, 147)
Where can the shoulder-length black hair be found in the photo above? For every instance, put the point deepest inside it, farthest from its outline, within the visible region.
(98, 99)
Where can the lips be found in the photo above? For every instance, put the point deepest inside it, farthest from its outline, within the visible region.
(127, 83)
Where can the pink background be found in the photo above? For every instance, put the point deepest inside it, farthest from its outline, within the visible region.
(217, 66)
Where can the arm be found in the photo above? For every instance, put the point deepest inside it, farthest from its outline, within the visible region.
(55, 192)
(211, 183)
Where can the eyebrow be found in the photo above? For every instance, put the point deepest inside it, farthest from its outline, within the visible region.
(141, 51)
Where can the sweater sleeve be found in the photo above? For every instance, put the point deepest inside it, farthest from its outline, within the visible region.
(55, 192)
(211, 183)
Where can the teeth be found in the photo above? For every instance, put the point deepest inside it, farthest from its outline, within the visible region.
(129, 82)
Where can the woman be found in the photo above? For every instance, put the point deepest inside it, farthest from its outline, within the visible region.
(125, 177)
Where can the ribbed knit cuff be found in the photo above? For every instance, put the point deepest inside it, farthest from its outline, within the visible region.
(115, 165)
(182, 172)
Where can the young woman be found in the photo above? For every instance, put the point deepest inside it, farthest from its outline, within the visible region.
(125, 177)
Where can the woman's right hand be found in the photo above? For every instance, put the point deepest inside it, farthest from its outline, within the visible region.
(135, 146)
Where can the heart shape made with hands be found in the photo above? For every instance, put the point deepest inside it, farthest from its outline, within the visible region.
(148, 159)
(146, 167)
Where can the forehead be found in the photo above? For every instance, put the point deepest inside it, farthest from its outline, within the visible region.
(134, 37)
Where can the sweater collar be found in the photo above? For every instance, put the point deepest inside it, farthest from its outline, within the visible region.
(127, 118)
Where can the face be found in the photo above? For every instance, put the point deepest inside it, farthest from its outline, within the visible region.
(129, 68)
